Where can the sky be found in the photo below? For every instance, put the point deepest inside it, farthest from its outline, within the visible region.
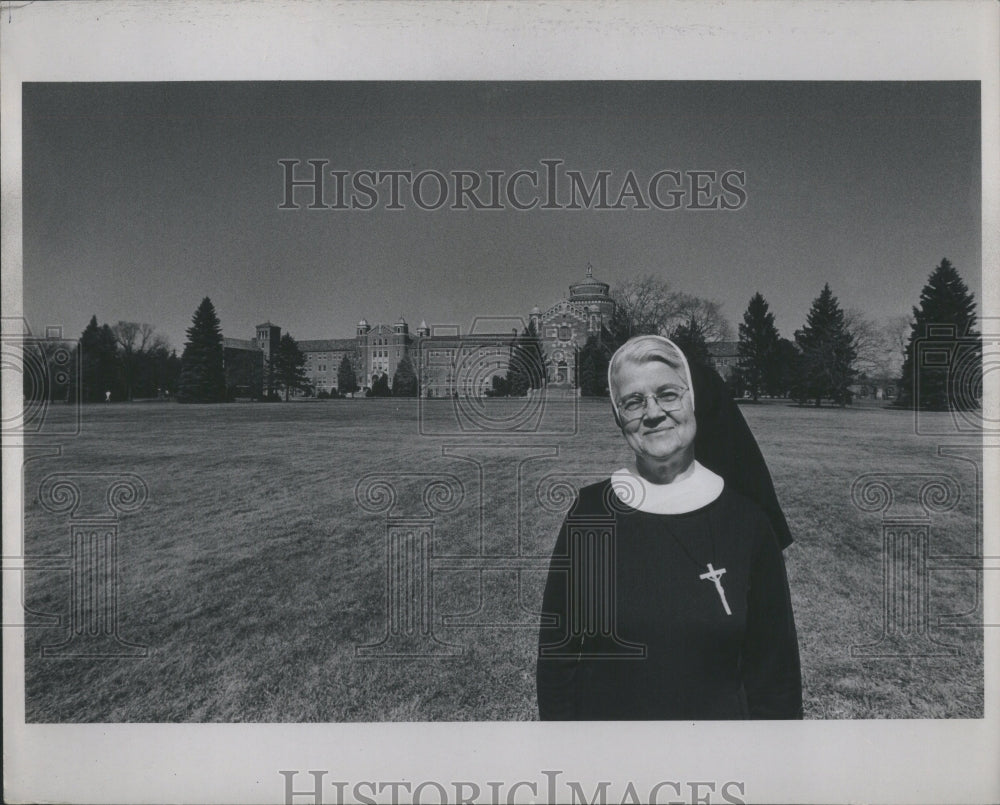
(140, 199)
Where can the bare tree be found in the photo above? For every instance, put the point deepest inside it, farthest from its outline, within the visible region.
(706, 314)
(897, 334)
(880, 346)
(135, 341)
(646, 305)
(869, 342)
(643, 306)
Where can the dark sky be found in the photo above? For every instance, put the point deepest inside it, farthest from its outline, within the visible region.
(142, 198)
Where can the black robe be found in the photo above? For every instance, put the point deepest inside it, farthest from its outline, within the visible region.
(635, 633)
(725, 445)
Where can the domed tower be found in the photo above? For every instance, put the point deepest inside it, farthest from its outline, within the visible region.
(363, 327)
(423, 330)
(593, 293)
(536, 318)
(401, 327)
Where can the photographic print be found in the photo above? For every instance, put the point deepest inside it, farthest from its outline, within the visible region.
(416, 402)
(410, 291)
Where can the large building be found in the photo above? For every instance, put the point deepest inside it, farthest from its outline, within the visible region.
(724, 357)
(446, 361)
(323, 359)
(245, 360)
(565, 326)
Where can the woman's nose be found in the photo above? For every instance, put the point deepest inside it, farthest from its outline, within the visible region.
(653, 412)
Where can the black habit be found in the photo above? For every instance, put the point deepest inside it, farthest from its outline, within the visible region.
(636, 632)
(725, 445)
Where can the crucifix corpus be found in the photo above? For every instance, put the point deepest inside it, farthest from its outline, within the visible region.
(716, 576)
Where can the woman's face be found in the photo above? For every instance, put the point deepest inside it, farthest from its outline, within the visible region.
(654, 434)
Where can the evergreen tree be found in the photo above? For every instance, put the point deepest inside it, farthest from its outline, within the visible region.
(380, 386)
(164, 371)
(98, 362)
(203, 377)
(347, 381)
(501, 388)
(404, 381)
(86, 357)
(945, 322)
(289, 367)
(527, 367)
(691, 339)
(593, 368)
(828, 353)
(758, 347)
(784, 380)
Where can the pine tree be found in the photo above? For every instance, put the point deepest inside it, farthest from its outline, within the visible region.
(289, 366)
(784, 381)
(944, 322)
(98, 361)
(593, 368)
(203, 377)
(404, 381)
(758, 347)
(690, 338)
(828, 353)
(527, 368)
(347, 381)
(380, 386)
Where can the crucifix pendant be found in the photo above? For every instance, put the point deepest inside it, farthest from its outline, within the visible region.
(716, 576)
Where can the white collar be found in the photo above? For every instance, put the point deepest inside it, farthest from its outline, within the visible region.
(698, 489)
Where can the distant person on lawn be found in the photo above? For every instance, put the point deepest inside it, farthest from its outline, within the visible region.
(667, 583)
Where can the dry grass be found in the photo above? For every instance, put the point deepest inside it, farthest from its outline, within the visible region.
(252, 574)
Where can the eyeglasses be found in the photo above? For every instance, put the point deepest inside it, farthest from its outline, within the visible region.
(634, 406)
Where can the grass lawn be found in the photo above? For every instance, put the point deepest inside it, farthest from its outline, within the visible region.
(252, 574)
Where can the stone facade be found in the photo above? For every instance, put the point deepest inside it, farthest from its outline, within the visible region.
(565, 326)
(323, 358)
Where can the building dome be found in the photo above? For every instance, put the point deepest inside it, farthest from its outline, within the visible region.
(363, 323)
(401, 320)
(589, 289)
(423, 324)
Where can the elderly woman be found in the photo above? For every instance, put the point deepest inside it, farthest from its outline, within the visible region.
(667, 596)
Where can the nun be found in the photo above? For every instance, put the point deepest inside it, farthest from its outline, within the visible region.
(666, 596)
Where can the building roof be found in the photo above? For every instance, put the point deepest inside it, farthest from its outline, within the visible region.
(724, 349)
(240, 343)
(482, 339)
(328, 345)
(589, 288)
(266, 324)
